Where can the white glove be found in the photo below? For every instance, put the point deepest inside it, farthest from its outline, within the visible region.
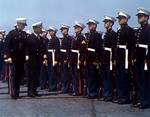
(9, 60)
(27, 58)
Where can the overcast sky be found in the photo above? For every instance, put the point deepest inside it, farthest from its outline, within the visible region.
(56, 12)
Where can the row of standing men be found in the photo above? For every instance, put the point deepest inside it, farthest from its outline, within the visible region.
(88, 64)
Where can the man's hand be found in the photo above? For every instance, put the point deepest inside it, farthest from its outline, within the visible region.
(84, 63)
(114, 63)
(9, 60)
(55, 62)
(65, 61)
(27, 58)
(45, 62)
(44, 56)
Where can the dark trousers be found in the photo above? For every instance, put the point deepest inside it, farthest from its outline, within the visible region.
(107, 80)
(1, 66)
(26, 73)
(123, 84)
(2, 75)
(142, 83)
(34, 67)
(148, 76)
(44, 76)
(92, 80)
(65, 77)
(17, 70)
(75, 78)
(53, 76)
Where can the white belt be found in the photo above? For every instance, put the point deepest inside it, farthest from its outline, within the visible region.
(110, 50)
(53, 56)
(91, 49)
(78, 53)
(126, 54)
(63, 50)
(145, 47)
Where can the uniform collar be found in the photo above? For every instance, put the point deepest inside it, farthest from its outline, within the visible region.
(78, 34)
(65, 36)
(110, 30)
(18, 30)
(124, 25)
(53, 37)
(92, 31)
(35, 34)
(144, 25)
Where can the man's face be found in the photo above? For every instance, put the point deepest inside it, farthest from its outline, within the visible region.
(64, 31)
(108, 24)
(77, 30)
(52, 33)
(38, 29)
(142, 18)
(21, 26)
(92, 26)
(122, 20)
(1, 36)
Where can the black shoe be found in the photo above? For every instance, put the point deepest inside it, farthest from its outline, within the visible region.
(123, 101)
(74, 94)
(42, 88)
(52, 90)
(31, 95)
(14, 97)
(108, 99)
(64, 92)
(135, 105)
(92, 97)
(143, 106)
(36, 94)
(115, 101)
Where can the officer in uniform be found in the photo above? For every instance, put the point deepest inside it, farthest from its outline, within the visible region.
(78, 57)
(36, 51)
(2, 48)
(16, 51)
(53, 65)
(92, 58)
(65, 51)
(142, 58)
(125, 37)
(44, 67)
(109, 46)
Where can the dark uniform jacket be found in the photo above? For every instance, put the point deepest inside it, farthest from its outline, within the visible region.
(95, 42)
(125, 36)
(36, 47)
(54, 43)
(16, 45)
(142, 36)
(2, 48)
(109, 41)
(79, 43)
(66, 42)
